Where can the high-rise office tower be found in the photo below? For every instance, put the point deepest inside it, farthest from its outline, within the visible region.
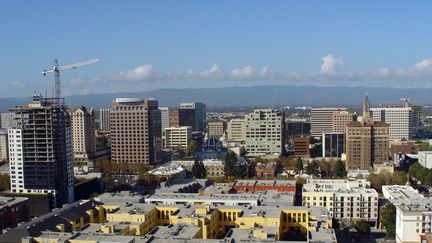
(400, 119)
(40, 151)
(340, 119)
(322, 120)
(173, 117)
(200, 114)
(236, 129)
(135, 130)
(105, 119)
(216, 128)
(367, 141)
(186, 117)
(333, 145)
(164, 118)
(83, 134)
(265, 132)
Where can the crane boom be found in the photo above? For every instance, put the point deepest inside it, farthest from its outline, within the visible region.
(56, 70)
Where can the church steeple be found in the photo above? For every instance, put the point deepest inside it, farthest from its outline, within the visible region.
(366, 108)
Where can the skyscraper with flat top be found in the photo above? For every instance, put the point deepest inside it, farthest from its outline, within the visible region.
(40, 151)
(135, 130)
(367, 141)
(105, 119)
(200, 115)
(83, 134)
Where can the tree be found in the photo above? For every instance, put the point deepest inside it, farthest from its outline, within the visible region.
(362, 226)
(339, 169)
(198, 170)
(388, 218)
(313, 169)
(4, 182)
(232, 167)
(191, 148)
(299, 165)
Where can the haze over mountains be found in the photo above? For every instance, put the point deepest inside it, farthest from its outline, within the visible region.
(262, 96)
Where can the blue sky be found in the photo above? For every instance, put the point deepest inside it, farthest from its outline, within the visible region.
(147, 45)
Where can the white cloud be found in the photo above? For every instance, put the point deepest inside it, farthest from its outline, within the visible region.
(18, 84)
(243, 72)
(265, 71)
(142, 73)
(383, 72)
(424, 65)
(213, 71)
(76, 81)
(329, 64)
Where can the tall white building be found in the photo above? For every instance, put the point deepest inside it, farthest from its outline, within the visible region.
(3, 144)
(105, 119)
(83, 134)
(400, 119)
(164, 117)
(200, 113)
(177, 137)
(40, 151)
(412, 221)
(425, 159)
(264, 132)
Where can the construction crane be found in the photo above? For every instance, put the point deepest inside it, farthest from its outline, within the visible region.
(56, 70)
(407, 101)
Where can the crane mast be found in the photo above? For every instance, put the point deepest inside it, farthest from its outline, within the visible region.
(57, 100)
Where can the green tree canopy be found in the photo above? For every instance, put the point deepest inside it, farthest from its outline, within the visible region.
(388, 218)
(198, 170)
(299, 165)
(362, 226)
(339, 169)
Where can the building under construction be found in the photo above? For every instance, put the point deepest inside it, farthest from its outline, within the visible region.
(41, 150)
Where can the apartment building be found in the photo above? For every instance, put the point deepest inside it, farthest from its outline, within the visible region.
(135, 130)
(413, 221)
(83, 134)
(105, 119)
(367, 141)
(177, 137)
(347, 200)
(400, 119)
(6, 120)
(236, 129)
(265, 132)
(40, 150)
(216, 128)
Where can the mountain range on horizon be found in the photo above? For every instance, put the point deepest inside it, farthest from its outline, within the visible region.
(255, 96)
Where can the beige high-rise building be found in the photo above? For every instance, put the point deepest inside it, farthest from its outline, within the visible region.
(177, 137)
(135, 130)
(322, 120)
(265, 132)
(330, 120)
(341, 119)
(367, 141)
(83, 134)
(3, 144)
(236, 130)
(216, 128)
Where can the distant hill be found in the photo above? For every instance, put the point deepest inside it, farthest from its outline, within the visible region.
(262, 96)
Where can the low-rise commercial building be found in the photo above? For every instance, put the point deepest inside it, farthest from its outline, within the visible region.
(347, 200)
(177, 137)
(398, 195)
(13, 210)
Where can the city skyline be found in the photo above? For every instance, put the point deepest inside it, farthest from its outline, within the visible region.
(168, 44)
